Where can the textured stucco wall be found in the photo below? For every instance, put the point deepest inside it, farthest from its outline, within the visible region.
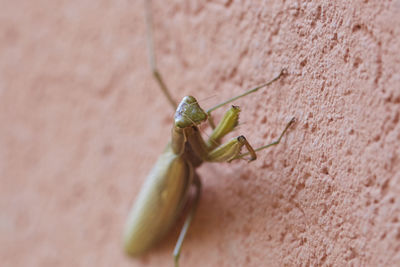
(82, 122)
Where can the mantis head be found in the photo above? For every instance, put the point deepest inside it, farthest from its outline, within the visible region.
(189, 113)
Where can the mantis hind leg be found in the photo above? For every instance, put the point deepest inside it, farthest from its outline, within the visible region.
(152, 56)
(188, 220)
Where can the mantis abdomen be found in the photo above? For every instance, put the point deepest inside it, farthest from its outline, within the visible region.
(159, 203)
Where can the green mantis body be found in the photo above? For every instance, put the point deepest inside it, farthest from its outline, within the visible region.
(166, 189)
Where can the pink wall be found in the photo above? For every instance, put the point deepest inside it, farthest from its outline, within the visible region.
(82, 122)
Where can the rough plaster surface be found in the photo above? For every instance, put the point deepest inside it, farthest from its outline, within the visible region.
(82, 122)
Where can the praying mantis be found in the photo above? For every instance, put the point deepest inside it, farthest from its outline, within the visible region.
(166, 189)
